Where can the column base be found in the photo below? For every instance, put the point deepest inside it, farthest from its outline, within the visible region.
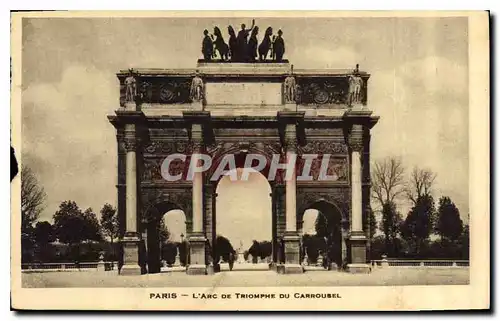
(197, 264)
(130, 255)
(293, 269)
(292, 244)
(130, 269)
(358, 268)
(280, 268)
(196, 269)
(357, 244)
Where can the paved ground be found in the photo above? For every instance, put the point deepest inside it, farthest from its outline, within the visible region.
(388, 276)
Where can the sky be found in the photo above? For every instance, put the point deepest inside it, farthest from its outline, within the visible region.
(418, 87)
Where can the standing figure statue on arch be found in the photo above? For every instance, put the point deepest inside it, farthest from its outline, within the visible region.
(355, 86)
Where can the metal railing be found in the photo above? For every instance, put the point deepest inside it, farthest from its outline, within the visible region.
(83, 266)
(418, 263)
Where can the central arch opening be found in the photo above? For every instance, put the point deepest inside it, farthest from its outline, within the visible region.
(244, 222)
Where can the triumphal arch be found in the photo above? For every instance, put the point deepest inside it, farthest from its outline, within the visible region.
(221, 108)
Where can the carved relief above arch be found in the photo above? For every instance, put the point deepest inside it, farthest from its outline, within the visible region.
(167, 147)
(221, 148)
(154, 198)
(323, 147)
(339, 197)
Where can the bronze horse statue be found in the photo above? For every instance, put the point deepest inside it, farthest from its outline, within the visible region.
(265, 45)
(220, 45)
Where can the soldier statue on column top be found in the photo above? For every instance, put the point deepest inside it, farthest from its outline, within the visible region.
(196, 92)
(290, 87)
(355, 85)
(130, 86)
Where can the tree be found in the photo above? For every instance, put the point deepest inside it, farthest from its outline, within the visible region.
(72, 226)
(32, 198)
(322, 225)
(464, 243)
(223, 249)
(183, 248)
(109, 222)
(163, 232)
(372, 222)
(92, 230)
(420, 184)
(391, 222)
(387, 180)
(419, 223)
(449, 225)
(169, 252)
(44, 235)
(266, 249)
(254, 251)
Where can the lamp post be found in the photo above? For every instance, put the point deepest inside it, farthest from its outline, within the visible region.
(179, 250)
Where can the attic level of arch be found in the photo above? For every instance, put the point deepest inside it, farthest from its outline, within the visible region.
(332, 88)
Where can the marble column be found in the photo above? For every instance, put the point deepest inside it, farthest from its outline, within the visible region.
(291, 237)
(357, 238)
(131, 238)
(197, 238)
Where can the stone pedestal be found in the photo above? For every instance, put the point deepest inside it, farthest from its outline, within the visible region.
(292, 254)
(101, 266)
(358, 264)
(290, 107)
(241, 258)
(385, 262)
(130, 106)
(130, 256)
(197, 263)
(197, 106)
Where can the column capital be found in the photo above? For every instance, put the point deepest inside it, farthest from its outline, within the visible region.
(290, 142)
(291, 145)
(130, 143)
